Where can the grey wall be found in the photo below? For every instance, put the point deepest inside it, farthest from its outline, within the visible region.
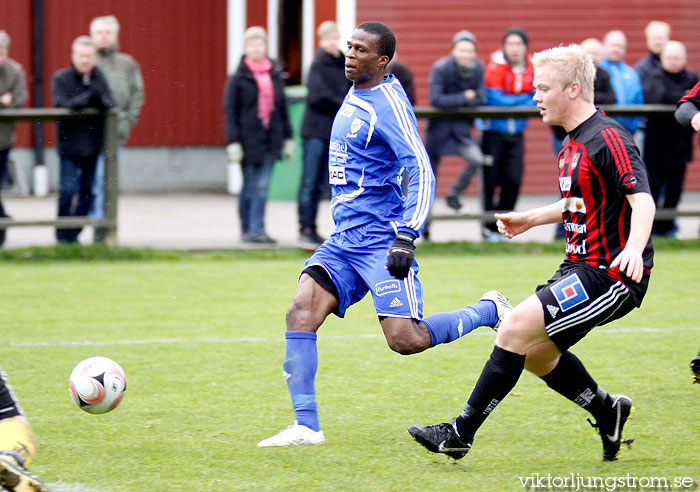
(146, 169)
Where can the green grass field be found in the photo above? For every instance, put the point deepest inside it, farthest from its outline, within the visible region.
(201, 340)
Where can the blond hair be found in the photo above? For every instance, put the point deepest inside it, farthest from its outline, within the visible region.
(571, 64)
(255, 32)
(325, 28)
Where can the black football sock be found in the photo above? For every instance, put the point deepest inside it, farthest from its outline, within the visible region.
(571, 379)
(499, 376)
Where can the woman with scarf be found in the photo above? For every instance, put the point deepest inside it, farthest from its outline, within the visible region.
(257, 129)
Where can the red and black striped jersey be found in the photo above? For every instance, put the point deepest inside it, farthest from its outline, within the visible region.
(693, 95)
(599, 166)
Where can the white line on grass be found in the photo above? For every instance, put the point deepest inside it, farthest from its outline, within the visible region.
(73, 487)
(88, 343)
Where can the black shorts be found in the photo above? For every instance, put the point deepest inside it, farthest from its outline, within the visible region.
(580, 297)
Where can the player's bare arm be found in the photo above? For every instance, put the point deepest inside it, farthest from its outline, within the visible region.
(630, 260)
(513, 223)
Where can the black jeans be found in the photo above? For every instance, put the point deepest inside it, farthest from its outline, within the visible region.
(506, 173)
(75, 192)
(314, 181)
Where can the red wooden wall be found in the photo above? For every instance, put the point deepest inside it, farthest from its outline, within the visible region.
(180, 45)
(425, 29)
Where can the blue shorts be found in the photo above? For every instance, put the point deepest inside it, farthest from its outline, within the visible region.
(354, 259)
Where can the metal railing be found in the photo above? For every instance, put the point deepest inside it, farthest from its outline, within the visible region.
(432, 113)
(109, 222)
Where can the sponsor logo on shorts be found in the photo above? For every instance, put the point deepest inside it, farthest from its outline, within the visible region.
(569, 292)
(395, 302)
(553, 310)
(387, 287)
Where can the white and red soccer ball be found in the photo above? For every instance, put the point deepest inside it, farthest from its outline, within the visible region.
(97, 385)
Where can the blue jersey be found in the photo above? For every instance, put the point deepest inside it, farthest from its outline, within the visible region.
(373, 141)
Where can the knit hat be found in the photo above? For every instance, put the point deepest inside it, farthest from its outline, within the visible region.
(463, 35)
(516, 30)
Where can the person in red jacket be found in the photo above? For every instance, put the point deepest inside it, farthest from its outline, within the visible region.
(509, 75)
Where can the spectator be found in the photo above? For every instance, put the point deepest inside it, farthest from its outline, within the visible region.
(79, 142)
(456, 80)
(509, 75)
(327, 87)
(17, 444)
(257, 129)
(124, 79)
(668, 146)
(603, 91)
(624, 79)
(657, 34)
(13, 94)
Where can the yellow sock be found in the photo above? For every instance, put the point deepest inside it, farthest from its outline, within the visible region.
(16, 436)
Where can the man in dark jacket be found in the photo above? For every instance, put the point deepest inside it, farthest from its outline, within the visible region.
(327, 86)
(456, 80)
(668, 146)
(79, 142)
(13, 94)
(657, 34)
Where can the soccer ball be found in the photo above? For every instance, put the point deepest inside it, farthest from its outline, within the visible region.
(97, 385)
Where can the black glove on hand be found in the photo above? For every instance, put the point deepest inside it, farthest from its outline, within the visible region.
(400, 255)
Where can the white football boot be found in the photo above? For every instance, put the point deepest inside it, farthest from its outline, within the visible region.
(503, 306)
(294, 435)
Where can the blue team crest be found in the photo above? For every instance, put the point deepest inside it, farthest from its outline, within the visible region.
(569, 292)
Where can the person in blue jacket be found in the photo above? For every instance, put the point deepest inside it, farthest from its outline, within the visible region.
(374, 141)
(624, 79)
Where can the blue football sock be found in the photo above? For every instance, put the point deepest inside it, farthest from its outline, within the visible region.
(300, 371)
(448, 327)
(487, 312)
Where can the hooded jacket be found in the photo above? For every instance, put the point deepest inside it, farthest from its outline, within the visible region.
(507, 88)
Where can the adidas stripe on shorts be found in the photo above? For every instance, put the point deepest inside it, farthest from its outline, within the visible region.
(580, 297)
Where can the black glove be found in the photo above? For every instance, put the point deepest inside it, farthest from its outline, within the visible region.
(400, 255)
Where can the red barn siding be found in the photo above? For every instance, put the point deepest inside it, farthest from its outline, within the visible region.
(425, 29)
(20, 32)
(180, 45)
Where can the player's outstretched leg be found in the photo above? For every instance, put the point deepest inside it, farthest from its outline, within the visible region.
(441, 438)
(610, 426)
(695, 367)
(489, 311)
